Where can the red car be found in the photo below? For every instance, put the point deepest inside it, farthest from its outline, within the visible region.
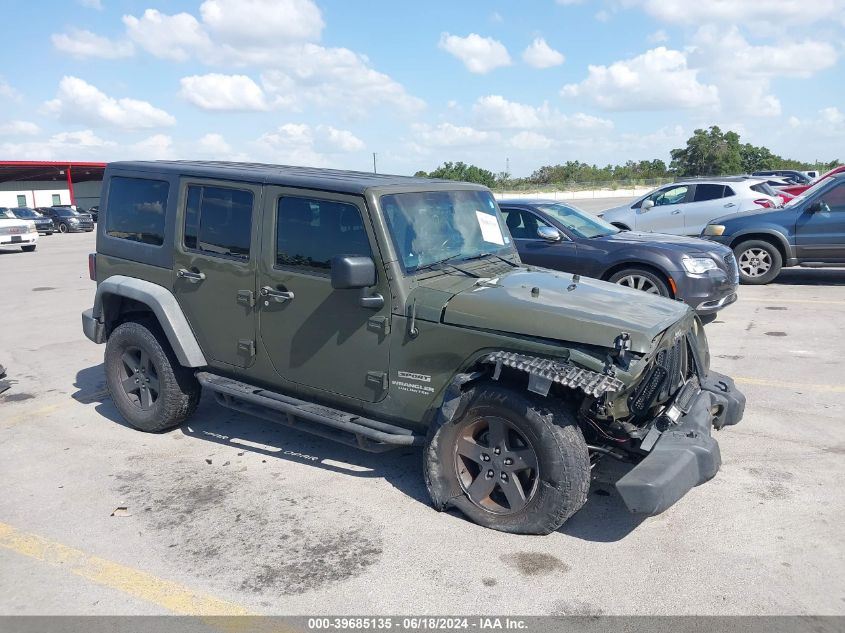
(797, 190)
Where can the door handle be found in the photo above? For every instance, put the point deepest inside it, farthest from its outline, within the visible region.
(676, 212)
(191, 276)
(279, 296)
(729, 205)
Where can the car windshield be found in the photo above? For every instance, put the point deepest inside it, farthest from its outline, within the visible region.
(65, 212)
(809, 192)
(434, 226)
(26, 212)
(7, 213)
(580, 222)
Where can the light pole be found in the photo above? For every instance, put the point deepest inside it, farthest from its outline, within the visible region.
(375, 171)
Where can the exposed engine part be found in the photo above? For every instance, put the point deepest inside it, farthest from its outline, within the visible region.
(543, 372)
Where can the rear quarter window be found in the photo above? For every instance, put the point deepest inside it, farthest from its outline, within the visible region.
(136, 209)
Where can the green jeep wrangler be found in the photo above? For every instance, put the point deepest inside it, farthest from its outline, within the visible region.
(387, 311)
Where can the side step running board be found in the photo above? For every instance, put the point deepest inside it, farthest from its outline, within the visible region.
(370, 435)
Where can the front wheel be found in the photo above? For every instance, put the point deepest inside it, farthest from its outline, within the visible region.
(759, 262)
(149, 387)
(509, 463)
(63, 228)
(641, 279)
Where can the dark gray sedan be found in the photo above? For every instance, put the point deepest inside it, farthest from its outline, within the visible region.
(560, 236)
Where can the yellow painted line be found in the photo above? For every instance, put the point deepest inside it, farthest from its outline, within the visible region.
(774, 301)
(762, 382)
(139, 584)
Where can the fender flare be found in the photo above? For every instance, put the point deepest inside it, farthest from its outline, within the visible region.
(166, 309)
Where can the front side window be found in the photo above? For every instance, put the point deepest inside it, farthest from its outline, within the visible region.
(136, 208)
(310, 231)
(834, 199)
(522, 224)
(428, 227)
(672, 195)
(218, 221)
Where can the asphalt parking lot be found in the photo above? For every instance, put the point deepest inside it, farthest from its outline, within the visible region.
(232, 515)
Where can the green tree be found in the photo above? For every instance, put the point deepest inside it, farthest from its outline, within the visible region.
(463, 172)
(708, 152)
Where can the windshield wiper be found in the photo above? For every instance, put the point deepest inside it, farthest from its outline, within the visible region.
(447, 262)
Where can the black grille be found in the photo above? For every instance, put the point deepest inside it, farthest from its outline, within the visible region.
(733, 271)
(662, 380)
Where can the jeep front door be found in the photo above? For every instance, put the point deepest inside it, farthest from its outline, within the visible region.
(315, 336)
(215, 266)
(820, 229)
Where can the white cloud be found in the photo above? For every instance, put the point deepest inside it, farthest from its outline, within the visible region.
(223, 92)
(213, 144)
(77, 100)
(91, 4)
(479, 54)
(176, 37)
(658, 37)
(540, 55)
(496, 112)
(80, 43)
(659, 79)
(8, 92)
(249, 21)
(302, 144)
(155, 147)
(567, 3)
(776, 12)
(19, 128)
(449, 135)
(81, 144)
(531, 141)
(343, 140)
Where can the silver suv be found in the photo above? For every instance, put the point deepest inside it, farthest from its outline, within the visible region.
(685, 207)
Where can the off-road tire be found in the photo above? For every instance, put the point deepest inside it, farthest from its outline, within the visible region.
(179, 391)
(655, 279)
(28, 248)
(774, 256)
(551, 430)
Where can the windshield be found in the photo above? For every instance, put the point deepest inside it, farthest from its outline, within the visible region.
(65, 212)
(809, 192)
(433, 226)
(579, 222)
(26, 212)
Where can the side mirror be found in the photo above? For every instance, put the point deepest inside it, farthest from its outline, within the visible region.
(647, 204)
(817, 207)
(349, 272)
(549, 233)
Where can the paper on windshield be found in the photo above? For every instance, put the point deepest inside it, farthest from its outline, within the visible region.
(490, 231)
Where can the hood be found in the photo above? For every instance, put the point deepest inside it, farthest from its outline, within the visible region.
(676, 243)
(537, 302)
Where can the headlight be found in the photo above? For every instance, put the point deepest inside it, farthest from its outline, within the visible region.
(73, 221)
(698, 264)
(31, 226)
(714, 229)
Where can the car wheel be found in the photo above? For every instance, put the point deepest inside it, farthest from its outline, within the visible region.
(63, 228)
(641, 279)
(28, 248)
(149, 387)
(508, 462)
(759, 262)
(50, 233)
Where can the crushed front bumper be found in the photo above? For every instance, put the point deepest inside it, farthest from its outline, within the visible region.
(685, 454)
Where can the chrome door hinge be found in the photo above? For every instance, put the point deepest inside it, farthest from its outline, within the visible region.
(247, 347)
(378, 377)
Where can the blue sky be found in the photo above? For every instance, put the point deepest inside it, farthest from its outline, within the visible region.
(329, 82)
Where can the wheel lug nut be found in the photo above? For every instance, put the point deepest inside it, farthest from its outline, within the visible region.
(485, 457)
(504, 477)
(508, 461)
(489, 474)
(497, 450)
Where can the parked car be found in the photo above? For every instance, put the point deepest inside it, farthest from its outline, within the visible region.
(17, 232)
(562, 237)
(42, 224)
(94, 212)
(796, 176)
(386, 311)
(797, 190)
(809, 231)
(68, 220)
(685, 207)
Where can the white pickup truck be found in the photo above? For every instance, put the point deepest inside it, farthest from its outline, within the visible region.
(17, 232)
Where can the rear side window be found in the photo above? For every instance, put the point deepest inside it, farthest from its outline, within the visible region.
(706, 191)
(764, 188)
(136, 209)
(309, 232)
(218, 220)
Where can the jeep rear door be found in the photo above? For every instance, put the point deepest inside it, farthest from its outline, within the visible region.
(215, 266)
(315, 336)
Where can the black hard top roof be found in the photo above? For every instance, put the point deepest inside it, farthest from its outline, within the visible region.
(336, 180)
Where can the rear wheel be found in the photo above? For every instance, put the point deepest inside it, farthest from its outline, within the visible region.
(149, 387)
(28, 248)
(641, 279)
(509, 463)
(759, 262)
